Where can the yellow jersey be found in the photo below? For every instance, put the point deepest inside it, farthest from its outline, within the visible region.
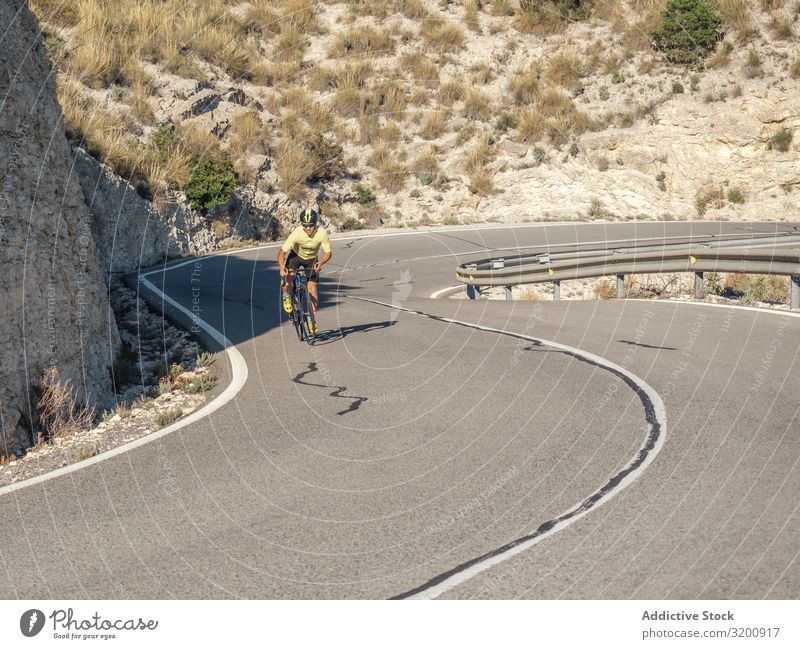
(307, 247)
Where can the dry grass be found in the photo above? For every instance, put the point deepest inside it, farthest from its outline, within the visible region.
(249, 135)
(434, 124)
(502, 8)
(471, 9)
(104, 135)
(263, 15)
(476, 163)
(301, 16)
(450, 92)
(605, 289)
(293, 166)
(781, 28)
(737, 15)
(564, 69)
(479, 156)
(197, 141)
(794, 69)
(369, 129)
(290, 45)
(477, 104)
(480, 181)
(56, 409)
(362, 41)
(57, 12)
(273, 74)
(525, 84)
(414, 9)
(296, 98)
(391, 98)
(391, 173)
(442, 35)
(350, 102)
(421, 68)
(558, 128)
(530, 124)
(758, 288)
(349, 75)
(541, 19)
(426, 168)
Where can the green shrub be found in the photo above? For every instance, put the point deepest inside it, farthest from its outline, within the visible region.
(713, 283)
(677, 87)
(539, 154)
(567, 9)
(168, 416)
(163, 139)
(735, 195)
(688, 32)
(505, 122)
(781, 140)
(573, 149)
(603, 92)
(365, 195)
(350, 224)
(212, 183)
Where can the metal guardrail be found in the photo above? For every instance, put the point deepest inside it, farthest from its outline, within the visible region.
(767, 254)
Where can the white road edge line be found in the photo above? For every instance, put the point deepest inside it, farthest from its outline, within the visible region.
(660, 416)
(436, 294)
(238, 379)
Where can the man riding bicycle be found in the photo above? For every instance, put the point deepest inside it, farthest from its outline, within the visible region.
(302, 246)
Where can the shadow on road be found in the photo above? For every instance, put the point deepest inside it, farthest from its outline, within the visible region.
(326, 337)
(238, 296)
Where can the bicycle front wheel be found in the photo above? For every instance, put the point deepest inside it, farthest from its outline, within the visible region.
(307, 320)
(297, 314)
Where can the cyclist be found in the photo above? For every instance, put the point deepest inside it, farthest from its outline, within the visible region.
(300, 250)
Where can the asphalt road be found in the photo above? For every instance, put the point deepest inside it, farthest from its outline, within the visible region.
(440, 448)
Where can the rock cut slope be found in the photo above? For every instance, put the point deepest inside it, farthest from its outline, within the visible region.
(53, 303)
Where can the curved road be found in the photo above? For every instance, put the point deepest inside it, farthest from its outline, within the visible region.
(445, 448)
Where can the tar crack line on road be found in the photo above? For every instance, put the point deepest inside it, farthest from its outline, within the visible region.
(655, 417)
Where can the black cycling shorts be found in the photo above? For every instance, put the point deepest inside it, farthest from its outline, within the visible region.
(295, 261)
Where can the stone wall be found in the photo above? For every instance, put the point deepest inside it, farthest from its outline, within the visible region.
(54, 310)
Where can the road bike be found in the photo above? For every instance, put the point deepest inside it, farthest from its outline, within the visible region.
(303, 318)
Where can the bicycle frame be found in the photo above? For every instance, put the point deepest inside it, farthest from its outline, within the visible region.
(302, 313)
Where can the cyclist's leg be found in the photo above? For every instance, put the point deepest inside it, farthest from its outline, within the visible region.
(312, 291)
(288, 282)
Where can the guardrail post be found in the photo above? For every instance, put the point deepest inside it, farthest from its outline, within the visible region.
(620, 286)
(699, 289)
(557, 290)
(795, 302)
(472, 292)
(508, 293)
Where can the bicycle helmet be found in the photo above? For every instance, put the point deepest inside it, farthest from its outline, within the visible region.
(309, 217)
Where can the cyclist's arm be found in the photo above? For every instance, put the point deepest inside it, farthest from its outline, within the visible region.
(281, 261)
(325, 258)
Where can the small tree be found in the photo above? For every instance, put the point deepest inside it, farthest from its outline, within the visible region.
(689, 30)
(212, 183)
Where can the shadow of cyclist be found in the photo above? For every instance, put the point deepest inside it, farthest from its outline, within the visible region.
(326, 337)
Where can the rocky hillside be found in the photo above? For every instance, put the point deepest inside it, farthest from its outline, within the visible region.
(53, 304)
(403, 112)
